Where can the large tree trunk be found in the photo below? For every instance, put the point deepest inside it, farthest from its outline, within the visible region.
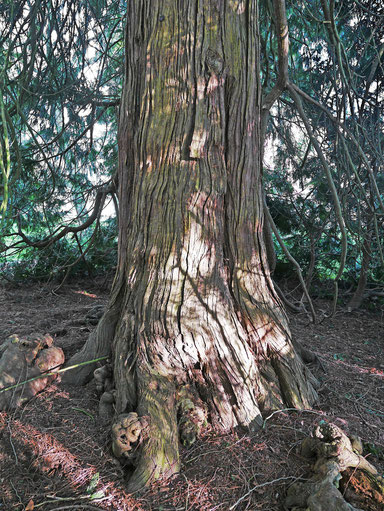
(193, 304)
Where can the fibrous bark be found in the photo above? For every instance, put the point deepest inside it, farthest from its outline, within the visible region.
(193, 305)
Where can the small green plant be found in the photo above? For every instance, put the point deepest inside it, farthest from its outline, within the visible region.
(374, 449)
(90, 491)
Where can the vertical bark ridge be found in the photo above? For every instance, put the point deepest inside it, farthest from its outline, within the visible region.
(181, 207)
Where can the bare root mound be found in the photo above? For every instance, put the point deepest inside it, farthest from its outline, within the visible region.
(335, 452)
(33, 361)
(56, 450)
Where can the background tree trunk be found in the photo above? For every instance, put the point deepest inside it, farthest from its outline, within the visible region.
(193, 303)
(358, 295)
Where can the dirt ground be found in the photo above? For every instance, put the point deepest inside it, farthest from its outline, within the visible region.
(55, 452)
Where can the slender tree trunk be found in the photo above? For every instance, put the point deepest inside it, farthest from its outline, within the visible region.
(358, 296)
(193, 305)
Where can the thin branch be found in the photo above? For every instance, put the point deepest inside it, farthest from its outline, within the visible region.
(81, 256)
(288, 478)
(282, 34)
(290, 410)
(340, 124)
(281, 30)
(331, 184)
(290, 258)
(99, 202)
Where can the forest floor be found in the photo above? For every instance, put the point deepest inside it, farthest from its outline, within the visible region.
(55, 453)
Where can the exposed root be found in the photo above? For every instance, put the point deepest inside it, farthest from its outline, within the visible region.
(104, 379)
(363, 489)
(147, 440)
(335, 453)
(308, 356)
(105, 388)
(297, 384)
(128, 433)
(106, 404)
(171, 411)
(192, 416)
(98, 345)
(94, 315)
(23, 359)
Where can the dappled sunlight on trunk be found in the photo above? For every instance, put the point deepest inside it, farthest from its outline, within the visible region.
(193, 302)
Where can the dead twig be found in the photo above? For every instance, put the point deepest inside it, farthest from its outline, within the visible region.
(267, 483)
(290, 410)
(13, 447)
